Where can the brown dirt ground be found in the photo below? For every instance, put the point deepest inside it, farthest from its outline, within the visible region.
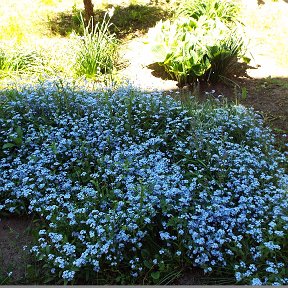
(14, 235)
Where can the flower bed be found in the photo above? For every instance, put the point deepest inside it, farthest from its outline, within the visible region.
(132, 186)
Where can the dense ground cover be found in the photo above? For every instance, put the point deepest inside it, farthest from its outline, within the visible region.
(131, 186)
(123, 186)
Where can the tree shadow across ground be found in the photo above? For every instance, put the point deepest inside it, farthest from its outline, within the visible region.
(129, 21)
(64, 23)
(135, 20)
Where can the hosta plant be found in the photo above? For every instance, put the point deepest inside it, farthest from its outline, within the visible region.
(225, 10)
(191, 50)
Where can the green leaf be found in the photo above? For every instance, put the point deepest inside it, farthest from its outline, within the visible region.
(47, 249)
(161, 266)
(155, 275)
(19, 132)
(244, 93)
(48, 280)
(246, 59)
(145, 253)
(148, 264)
(8, 145)
(18, 141)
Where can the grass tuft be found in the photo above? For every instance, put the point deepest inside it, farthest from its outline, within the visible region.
(97, 49)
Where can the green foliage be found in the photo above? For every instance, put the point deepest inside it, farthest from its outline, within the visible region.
(97, 51)
(64, 23)
(224, 57)
(136, 18)
(20, 61)
(4, 279)
(192, 49)
(167, 170)
(226, 11)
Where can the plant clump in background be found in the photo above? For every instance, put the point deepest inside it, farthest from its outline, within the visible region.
(204, 42)
(97, 49)
(227, 11)
(134, 186)
(20, 62)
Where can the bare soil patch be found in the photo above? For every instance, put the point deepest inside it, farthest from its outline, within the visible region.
(14, 235)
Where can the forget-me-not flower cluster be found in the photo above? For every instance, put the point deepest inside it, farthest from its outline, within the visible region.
(113, 171)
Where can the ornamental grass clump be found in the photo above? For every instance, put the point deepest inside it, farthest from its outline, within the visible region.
(132, 187)
(96, 49)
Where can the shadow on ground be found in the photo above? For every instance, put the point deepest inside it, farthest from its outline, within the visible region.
(135, 20)
(132, 21)
(239, 70)
(64, 23)
(14, 234)
(268, 96)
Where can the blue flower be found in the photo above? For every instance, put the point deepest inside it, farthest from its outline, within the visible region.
(112, 171)
(256, 282)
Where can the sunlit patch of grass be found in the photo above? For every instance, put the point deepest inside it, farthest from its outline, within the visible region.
(59, 55)
(26, 24)
(12, 29)
(20, 61)
(49, 2)
(268, 30)
(23, 21)
(281, 49)
(19, 22)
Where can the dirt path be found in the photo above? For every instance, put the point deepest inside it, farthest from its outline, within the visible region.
(138, 56)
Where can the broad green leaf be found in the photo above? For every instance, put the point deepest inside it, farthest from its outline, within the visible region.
(8, 145)
(155, 275)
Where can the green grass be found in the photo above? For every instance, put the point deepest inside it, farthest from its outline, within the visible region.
(20, 62)
(97, 49)
(26, 23)
(268, 30)
(50, 26)
(270, 82)
(226, 11)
